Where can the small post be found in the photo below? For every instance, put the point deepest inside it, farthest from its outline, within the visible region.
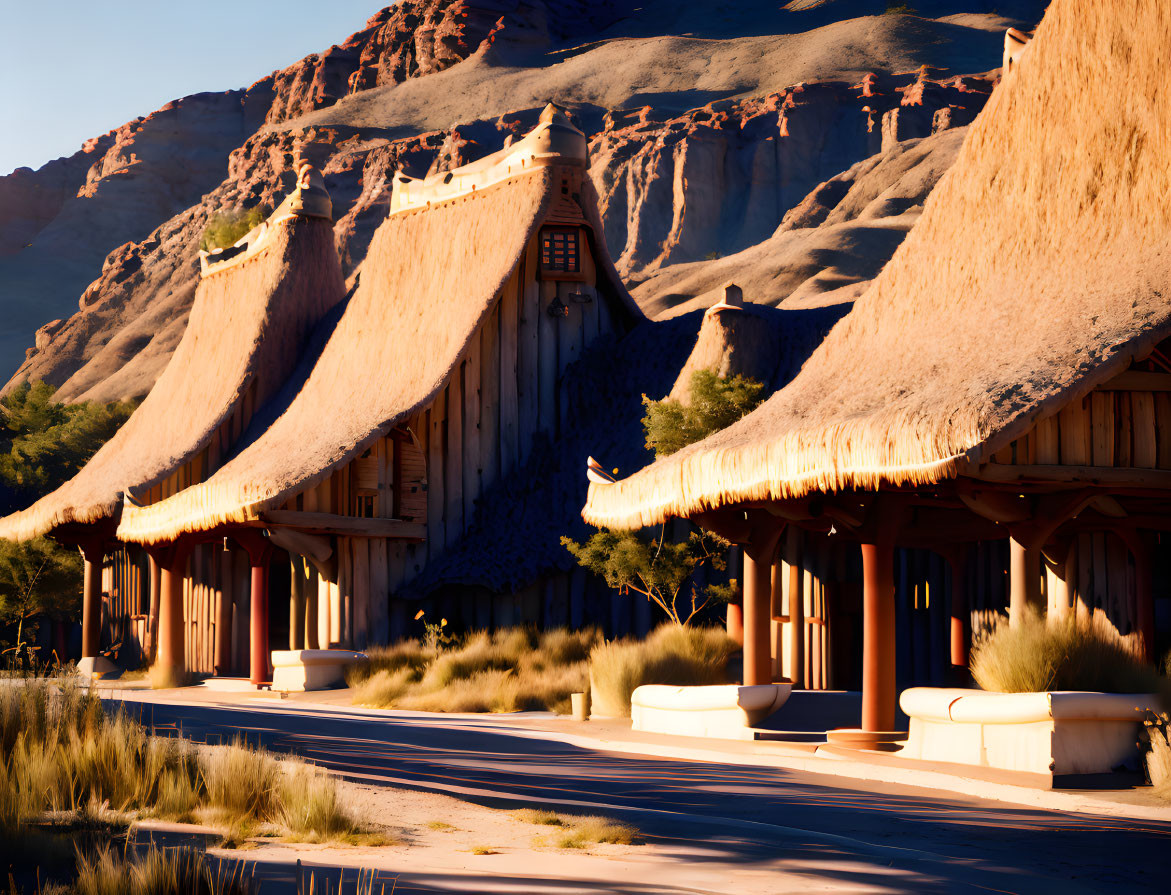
(580, 702)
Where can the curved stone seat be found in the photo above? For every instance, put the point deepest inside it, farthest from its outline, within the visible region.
(1059, 732)
(311, 669)
(727, 711)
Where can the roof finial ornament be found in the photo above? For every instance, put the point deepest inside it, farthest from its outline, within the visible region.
(310, 197)
(597, 474)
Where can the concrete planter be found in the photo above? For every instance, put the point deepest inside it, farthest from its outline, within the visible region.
(311, 669)
(725, 711)
(1054, 733)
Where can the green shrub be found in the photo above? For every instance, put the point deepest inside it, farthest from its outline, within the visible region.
(662, 571)
(1040, 654)
(225, 227)
(670, 655)
(716, 402)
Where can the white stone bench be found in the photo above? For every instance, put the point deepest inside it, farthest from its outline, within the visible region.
(1060, 732)
(726, 711)
(311, 669)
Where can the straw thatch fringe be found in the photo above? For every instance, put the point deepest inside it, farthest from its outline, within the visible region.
(247, 329)
(1040, 267)
(430, 279)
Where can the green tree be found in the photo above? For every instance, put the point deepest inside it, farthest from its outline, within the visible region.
(38, 579)
(662, 571)
(716, 403)
(43, 442)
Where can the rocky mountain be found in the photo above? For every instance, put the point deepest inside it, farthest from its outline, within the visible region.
(787, 146)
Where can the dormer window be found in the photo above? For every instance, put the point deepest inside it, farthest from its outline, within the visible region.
(561, 253)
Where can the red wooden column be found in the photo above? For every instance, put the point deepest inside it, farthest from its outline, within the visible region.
(259, 550)
(1024, 577)
(170, 660)
(258, 630)
(736, 622)
(878, 636)
(93, 553)
(759, 553)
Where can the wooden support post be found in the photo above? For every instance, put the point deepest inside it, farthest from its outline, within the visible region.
(172, 562)
(222, 659)
(878, 637)
(296, 601)
(311, 613)
(93, 554)
(735, 622)
(152, 621)
(796, 607)
(759, 554)
(258, 666)
(259, 552)
(1024, 578)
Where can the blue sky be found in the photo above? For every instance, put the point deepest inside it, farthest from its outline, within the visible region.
(71, 70)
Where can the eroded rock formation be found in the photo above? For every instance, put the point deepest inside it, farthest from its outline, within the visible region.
(682, 191)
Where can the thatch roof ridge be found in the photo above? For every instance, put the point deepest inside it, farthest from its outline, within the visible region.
(1038, 270)
(431, 278)
(248, 327)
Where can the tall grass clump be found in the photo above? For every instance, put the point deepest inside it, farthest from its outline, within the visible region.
(310, 805)
(672, 654)
(61, 752)
(514, 669)
(1041, 654)
(157, 872)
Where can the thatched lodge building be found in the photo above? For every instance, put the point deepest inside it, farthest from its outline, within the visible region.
(991, 423)
(306, 455)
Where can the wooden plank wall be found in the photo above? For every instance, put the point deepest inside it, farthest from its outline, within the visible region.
(1102, 581)
(125, 599)
(816, 570)
(506, 388)
(1105, 428)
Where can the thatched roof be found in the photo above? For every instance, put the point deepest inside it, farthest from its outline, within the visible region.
(1040, 268)
(432, 275)
(735, 339)
(248, 328)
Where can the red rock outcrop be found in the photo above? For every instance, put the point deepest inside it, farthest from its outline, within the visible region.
(721, 178)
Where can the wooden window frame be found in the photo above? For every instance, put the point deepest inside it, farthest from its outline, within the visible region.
(547, 270)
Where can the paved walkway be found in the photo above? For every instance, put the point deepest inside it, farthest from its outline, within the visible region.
(853, 830)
